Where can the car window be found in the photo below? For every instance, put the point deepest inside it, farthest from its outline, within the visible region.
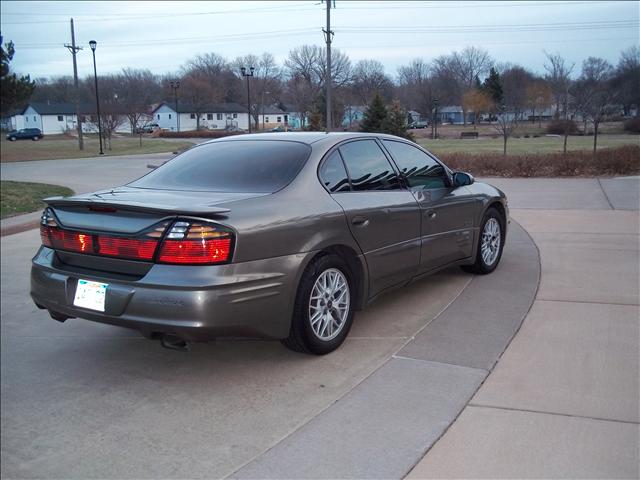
(368, 167)
(418, 168)
(333, 175)
(261, 166)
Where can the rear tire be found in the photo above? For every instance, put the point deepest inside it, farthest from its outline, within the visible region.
(12, 139)
(490, 244)
(36, 138)
(323, 310)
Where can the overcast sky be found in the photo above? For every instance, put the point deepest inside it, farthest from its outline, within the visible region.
(162, 36)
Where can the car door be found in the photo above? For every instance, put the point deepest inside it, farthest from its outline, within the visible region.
(382, 215)
(447, 213)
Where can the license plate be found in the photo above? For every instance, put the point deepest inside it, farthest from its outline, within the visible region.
(90, 295)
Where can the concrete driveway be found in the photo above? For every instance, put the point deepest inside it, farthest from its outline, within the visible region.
(84, 400)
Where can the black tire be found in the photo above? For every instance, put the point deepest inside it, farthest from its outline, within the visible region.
(480, 267)
(12, 139)
(301, 337)
(36, 138)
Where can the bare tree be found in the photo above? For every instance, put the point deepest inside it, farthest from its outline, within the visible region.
(539, 97)
(369, 78)
(267, 78)
(415, 86)
(626, 80)
(506, 124)
(138, 90)
(515, 81)
(594, 89)
(559, 79)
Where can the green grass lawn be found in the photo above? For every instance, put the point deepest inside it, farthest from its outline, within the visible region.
(520, 146)
(25, 197)
(58, 146)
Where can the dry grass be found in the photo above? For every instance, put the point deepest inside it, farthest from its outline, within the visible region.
(611, 161)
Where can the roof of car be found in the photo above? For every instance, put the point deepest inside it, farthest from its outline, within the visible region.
(303, 137)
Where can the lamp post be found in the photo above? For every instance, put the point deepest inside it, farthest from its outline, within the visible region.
(263, 93)
(244, 73)
(434, 126)
(93, 44)
(175, 85)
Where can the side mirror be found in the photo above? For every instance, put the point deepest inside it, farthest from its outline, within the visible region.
(460, 179)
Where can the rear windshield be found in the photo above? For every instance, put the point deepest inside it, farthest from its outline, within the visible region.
(262, 166)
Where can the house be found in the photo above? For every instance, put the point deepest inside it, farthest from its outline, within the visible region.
(59, 118)
(296, 119)
(12, 120)
(353, 114)
(271, 117)
(218, 116)
(453, 114)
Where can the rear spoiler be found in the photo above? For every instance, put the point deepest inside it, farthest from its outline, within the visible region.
(135, 206)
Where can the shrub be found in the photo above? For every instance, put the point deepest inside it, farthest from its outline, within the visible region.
(609, 161)
(632, 125)
(559, 127)
(197, 134)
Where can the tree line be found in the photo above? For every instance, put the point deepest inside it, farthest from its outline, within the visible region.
(469, 78)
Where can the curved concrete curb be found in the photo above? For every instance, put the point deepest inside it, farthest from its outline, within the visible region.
(382, 427)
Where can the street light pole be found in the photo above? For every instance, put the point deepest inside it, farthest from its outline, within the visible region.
(435, 119)
(93, 44)
(244, 73)
(263, 93)
(175, 85)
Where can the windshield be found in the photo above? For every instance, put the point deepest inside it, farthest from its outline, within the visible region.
(261, 166)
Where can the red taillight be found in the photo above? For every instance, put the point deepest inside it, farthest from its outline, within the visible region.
(63, 240)
(138, 249)
(195, 251)
(186, 242)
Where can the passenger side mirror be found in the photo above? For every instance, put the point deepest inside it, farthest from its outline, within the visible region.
(460, 179)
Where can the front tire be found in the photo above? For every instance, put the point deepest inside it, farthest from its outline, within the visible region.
(323, 310)
(36, 138)
(490, 244)
(12, 139)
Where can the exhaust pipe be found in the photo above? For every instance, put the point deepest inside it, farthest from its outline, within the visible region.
(174, 342)
(60, 317)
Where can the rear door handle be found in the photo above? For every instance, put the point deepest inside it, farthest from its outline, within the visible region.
(360, 221)
(432, 215)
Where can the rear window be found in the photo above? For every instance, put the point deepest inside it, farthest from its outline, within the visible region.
(261, 166)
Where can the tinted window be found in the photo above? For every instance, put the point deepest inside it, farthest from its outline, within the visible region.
(418, 168)
(368, 167)
(333, 174)
(237, 166)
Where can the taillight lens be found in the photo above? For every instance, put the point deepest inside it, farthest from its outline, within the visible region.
(187, 242)
(196, 243)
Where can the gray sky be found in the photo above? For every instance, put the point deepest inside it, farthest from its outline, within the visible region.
(161, 36)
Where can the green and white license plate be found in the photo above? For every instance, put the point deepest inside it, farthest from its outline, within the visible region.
(90, 295)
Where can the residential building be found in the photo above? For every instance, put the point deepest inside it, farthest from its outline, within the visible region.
(353, 115)
(218, 116)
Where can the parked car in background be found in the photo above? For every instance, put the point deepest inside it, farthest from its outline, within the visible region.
(150, 128)
(420, 124)
(25, 134)
(278, 235)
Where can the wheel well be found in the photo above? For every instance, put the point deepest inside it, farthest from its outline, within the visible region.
(357, 270)
(500, 208)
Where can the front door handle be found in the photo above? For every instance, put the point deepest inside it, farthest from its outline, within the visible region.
(360, 221)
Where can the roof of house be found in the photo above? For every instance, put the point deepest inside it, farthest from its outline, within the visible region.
(450, 109)
(52, 108)
(272, 110)
(209, 108)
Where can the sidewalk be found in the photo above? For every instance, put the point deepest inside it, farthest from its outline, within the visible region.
(562, 401)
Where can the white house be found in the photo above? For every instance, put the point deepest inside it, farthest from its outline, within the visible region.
(273, 117)
(212, 117)
(59, 118)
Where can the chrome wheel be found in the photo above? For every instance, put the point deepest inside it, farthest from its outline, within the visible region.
(491, 238)
(329, 304)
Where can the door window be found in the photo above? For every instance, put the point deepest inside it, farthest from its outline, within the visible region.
(333, 175)
(418, 168)
(368, 167)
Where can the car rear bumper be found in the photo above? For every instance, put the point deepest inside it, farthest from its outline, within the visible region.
(197, 303)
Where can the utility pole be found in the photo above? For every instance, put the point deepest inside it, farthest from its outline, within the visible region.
(328, 36)
(73, 49)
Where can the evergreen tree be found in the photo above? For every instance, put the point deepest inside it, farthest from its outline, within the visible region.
(492, 86)
(13, 90)
(396, 122)
(375, 116)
